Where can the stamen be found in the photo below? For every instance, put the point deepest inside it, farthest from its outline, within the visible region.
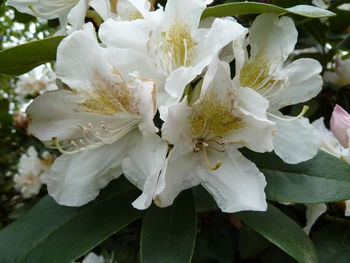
(301, 114)
(205, 155)
(60, 149)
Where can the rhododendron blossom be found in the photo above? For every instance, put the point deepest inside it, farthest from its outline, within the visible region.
(282, 84)
(206, 136)
(104, 116)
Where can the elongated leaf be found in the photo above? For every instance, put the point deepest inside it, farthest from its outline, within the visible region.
(59, 234)
(247, 8)
(169, 234)
(333, 243)
(322, 179)
(282, 231)
(22, 58)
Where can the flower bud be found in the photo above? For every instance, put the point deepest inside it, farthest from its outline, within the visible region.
(340, 123)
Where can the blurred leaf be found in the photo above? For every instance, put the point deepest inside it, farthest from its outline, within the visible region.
(282, 231)
(323, 179)
(251, 244)
(340, 22)
(333, 243)
(22, 58)
(23, 18)
(316, 29)
(169, 234)
(60, 234)
(203, 200)
(247, 8)
(345, 43)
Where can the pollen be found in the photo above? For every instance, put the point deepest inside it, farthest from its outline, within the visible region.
(258, 74)
(212, 116)
(178, 42)
(108, 97)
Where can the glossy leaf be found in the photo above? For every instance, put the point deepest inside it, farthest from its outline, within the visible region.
(282, 231)
(323, 179)
(247, 8)
(60, 234)
(22, 58)
(169, 234)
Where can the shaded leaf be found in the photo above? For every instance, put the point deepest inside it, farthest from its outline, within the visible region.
(323, 179)
(169, 234)
(282, 231)
(59, 234)
(248, 8)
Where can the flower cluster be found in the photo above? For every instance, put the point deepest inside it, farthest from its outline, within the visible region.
(152, 97)
(32, 172)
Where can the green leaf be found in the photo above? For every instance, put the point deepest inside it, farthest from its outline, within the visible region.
(60, 234)
(282, 231)
(169, 234)
(323, 179)
(22, 58)
(248, 8)
(333, 243)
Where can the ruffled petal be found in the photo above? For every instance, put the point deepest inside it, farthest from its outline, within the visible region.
(237, 185)
(273, 38)
(295, 141)
(304, 83)
(143, 165)
(179, 174)
(76, 179)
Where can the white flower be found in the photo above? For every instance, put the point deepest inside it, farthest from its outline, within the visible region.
(168, 46)
(105, 116)
(33, 85)
(32, 172)
(124, 10)
(72, 11)
(341, 75)
(271, 40)
(206, 136)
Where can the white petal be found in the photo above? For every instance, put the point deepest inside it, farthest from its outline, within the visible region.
(102, 7)
(313, 212)
(305, 82)
(179, 174)
(80, 57)
(295, 141)
(77, 14)
(55, 114)
(212, 40)
(142, 167)
(126, 34)
(273, 37)
(188, 12)
(257, 132)
(347, 208)
(328, 142)
(237, 185)
(76, 179)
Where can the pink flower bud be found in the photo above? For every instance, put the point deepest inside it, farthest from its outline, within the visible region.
(340, 123)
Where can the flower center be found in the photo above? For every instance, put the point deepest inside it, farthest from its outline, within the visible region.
(177, 46)
(109, 97)
(209, 121)
(259, 74)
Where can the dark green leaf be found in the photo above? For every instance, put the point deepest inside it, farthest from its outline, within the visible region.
(169, 234)
(333, 243)
(282, 231)
(247, 8)
(323, 179)
(22, 58)
(251, 244)
(60, 234)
